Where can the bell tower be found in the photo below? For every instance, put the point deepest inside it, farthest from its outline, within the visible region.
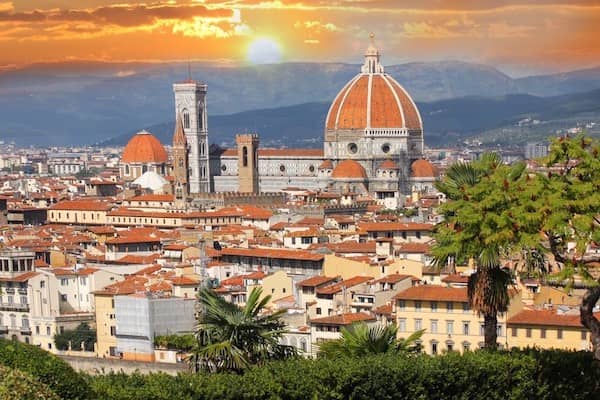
(247, 146)
(190, 105)
(180, 163)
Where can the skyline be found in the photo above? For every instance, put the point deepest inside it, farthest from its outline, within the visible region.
(517, 37)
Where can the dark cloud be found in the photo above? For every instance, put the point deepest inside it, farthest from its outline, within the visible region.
(123, 15)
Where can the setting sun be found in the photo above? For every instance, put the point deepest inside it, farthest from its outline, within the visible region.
(264, 51)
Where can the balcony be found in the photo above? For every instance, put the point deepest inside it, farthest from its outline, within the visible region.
(3, 329)
(22, 291)
(10, 290)
(26, 331)
(14, 307)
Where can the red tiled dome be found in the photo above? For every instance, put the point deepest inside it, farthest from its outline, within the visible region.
(388, 164)
(373, 101)
(144, 148)
(423, 169)
(349, 169)
(327, 164)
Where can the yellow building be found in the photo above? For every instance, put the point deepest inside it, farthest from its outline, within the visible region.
(105, 324)
(444, 313)
(277, 285)
(548, 329)
(79, 212)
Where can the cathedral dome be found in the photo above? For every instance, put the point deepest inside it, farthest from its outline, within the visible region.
(423, 169)
(144, 148)
(349, 169)
(388, 164)
(373, 100)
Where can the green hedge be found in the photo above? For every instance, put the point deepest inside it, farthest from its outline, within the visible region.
(45, 367)
(528, 374)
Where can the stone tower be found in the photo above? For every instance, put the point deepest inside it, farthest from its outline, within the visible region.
(190, 104)
(247, 145)
(180, 163)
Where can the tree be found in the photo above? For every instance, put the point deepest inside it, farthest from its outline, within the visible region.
(361, 340)
(484, 225)
(82, 334)
(569, 205)
(233, 338)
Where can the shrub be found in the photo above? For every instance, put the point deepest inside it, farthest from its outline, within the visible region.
(83, 333)
(15, 384)
(45, 367)
(530, 374)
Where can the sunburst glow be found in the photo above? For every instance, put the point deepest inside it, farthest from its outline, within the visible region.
(264, 51)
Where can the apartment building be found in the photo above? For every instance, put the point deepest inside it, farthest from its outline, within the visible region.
(449, 323)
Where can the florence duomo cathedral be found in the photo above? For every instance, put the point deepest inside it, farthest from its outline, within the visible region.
(372, 148)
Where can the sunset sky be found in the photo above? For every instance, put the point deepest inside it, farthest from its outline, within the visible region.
(517, 36)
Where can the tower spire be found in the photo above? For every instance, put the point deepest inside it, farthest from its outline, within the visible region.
(372, 65)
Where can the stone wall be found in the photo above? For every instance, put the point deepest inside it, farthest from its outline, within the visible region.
(96, 366)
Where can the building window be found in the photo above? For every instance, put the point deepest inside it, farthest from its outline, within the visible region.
(434, 326)
(418, 324)
(37, 329)
(434, 348)
(64, 282)
(543, 333)
(434, 306)
(515, 331)
(113, 331)
(465, 307)
(499, 331)
(63, 297)
(318, 311)
(282, 168)
(417, 306)
(466, 346)
(466, 328)
(48, 331)
(450, 346)
(583, 335)
(352, 148)
(385, 148)
(402, 305)
(402, 324)
(449, 306)
(449, 327)
(528, 332)
(186, 119)
(559, 333)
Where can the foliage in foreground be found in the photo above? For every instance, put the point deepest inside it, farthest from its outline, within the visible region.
(232, 338)
(46, 368)
(530, 374)
(15, 384)
(361, 340)
(82, 334)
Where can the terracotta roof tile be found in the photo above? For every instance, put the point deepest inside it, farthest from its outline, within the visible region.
(547, 318)
(343, 319)
(347, 283)
(144, 148)
(317, 280)
(434, 293)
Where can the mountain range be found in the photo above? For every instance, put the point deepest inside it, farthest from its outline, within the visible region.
(86, 103)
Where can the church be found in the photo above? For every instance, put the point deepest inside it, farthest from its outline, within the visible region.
(372, 147)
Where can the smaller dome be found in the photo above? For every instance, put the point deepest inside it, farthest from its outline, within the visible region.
(423, 169)
(349, 169)
(151, 180)
(144, 147)
(327, 164)
(388, 164)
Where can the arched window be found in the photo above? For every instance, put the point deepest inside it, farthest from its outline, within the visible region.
(245, 156)
(181, 162)
(126, 169)
(186, 119)
(200, 115)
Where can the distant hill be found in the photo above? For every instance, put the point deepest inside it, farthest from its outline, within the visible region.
(84, 103)
(446, 121)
